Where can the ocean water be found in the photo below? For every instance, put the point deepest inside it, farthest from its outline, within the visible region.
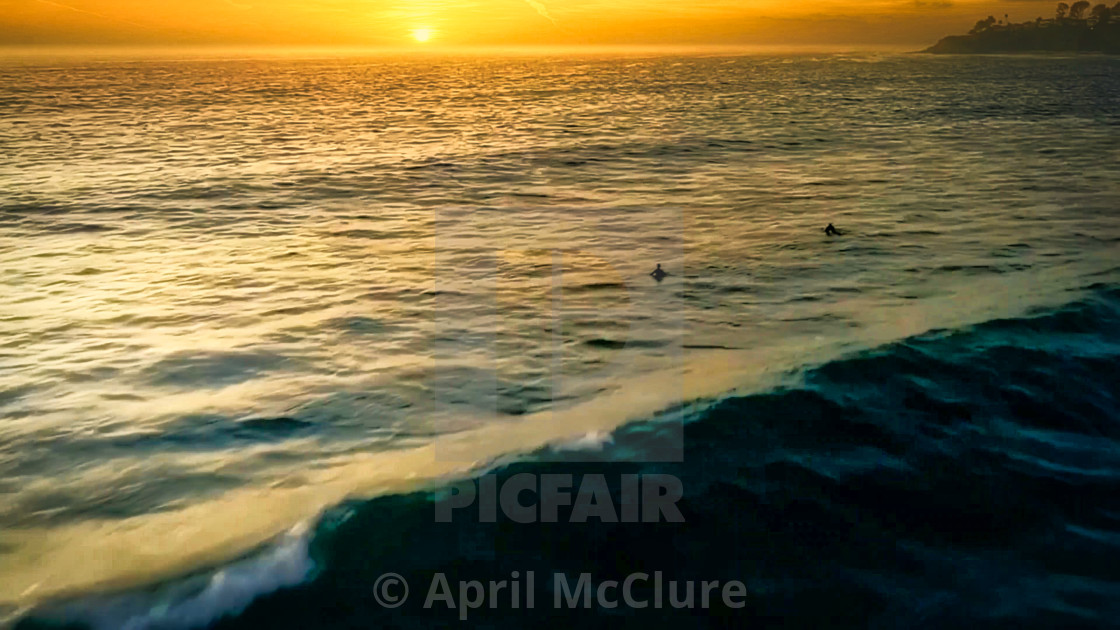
(256, 309)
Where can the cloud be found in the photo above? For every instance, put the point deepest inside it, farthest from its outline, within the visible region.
(540, 8)
(93, 13)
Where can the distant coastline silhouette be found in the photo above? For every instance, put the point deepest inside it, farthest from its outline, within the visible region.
(1076, 27)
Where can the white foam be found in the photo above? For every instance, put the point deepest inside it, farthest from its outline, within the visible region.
(199, 601)
(591, 441)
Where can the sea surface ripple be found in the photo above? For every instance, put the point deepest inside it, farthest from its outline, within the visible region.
(238, 292)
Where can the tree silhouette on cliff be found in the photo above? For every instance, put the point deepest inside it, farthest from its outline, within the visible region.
(1079, 27)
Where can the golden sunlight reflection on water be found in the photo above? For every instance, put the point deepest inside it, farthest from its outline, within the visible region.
(238, 292)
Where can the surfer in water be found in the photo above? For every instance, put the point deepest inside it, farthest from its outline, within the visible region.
(659, 273)
(831, 230)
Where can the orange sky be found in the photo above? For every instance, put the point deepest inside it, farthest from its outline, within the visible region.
(495, 22)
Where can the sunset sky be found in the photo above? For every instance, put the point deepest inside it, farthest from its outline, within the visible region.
(435, 23)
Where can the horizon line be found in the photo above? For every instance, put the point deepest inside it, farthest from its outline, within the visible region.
(114, 50)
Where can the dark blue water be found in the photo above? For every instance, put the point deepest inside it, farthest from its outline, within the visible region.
(960, 478)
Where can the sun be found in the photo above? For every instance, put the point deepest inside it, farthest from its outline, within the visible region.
(422, 34)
